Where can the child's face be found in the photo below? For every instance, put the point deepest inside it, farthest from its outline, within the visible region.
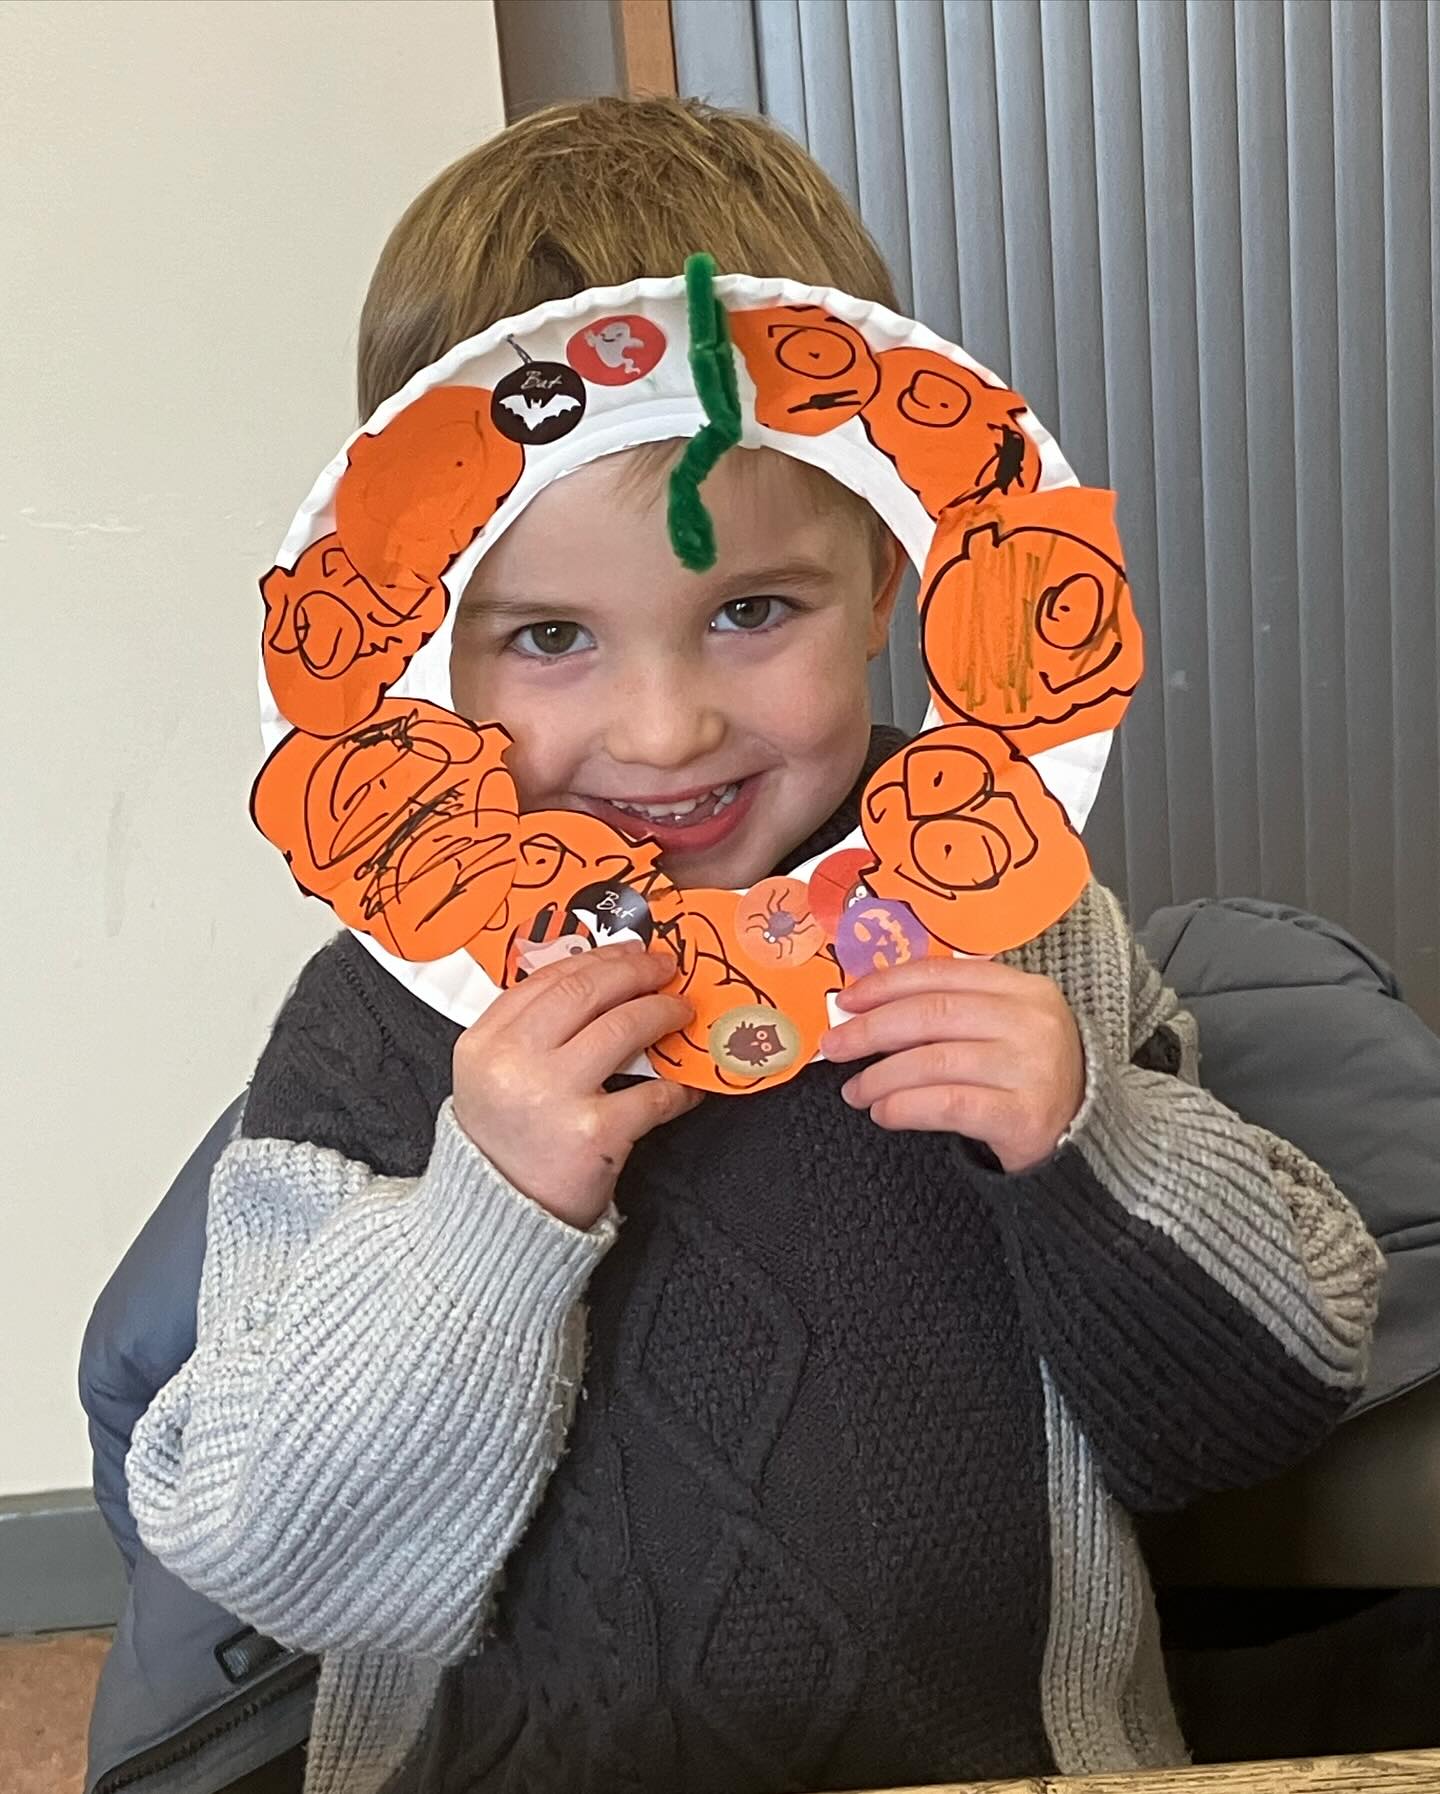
(630, 683)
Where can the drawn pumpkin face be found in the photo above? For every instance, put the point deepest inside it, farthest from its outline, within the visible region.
(953, 439)
(1027, 621)
(711, 978)
(413, 496)
(811, 371)
(406, 824)
(967, 835)
(558, 853)
(332, 643)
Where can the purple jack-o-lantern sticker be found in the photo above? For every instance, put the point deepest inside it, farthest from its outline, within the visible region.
(877, 933)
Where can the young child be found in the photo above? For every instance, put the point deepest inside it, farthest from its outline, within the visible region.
(883, 1358)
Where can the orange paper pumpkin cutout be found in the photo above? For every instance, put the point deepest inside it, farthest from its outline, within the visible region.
(1027, 620)
(953, 439)
(406, 825)
(965, 832)
(715, 977)
(333, 644)
(811, 371)
(415, 494)
(558, 852)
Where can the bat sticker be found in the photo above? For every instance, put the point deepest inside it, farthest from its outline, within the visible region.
(540, 401)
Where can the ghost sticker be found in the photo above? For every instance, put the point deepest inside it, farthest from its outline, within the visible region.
(540, 401)
(615, 351)
(545, 939)
(754, 1040)
(877, 933)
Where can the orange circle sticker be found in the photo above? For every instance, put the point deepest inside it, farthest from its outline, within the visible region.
(774, 926)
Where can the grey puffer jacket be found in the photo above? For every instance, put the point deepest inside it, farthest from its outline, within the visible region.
(1302, 1031)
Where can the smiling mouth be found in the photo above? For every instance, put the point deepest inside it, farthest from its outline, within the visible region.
(685, 812)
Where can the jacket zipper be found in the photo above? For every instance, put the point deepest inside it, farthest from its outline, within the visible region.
(200, 1732)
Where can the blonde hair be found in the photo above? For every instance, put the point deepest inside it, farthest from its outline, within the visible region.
(597, 193)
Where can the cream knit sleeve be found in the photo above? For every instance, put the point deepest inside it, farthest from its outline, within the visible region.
(383, 1376)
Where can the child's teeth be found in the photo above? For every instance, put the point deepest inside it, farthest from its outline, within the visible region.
(674, 812)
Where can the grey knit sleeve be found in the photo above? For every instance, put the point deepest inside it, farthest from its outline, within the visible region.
(383, 1375)
(1201, 1291)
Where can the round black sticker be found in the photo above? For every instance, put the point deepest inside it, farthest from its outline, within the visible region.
(539, 402)
(612, 912)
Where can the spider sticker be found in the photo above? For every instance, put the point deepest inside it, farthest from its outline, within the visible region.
(774, 923)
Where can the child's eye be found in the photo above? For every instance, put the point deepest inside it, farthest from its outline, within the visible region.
(750, 614)
(550, 641)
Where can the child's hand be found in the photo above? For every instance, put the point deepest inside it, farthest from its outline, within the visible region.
(971, 1047)
(528, 1076)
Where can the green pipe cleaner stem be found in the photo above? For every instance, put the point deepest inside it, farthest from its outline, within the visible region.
(712, 362)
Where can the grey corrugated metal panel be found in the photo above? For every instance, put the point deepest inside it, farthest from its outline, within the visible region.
(715, 56)
(1324, 745)
(1025, 188)
(1225, 510)
(1411, 136)
(829, 109)
(975, 169)
(781, 68)
(884, 205)
(929, 192)
(1269, 443)
(1082, 410)
(879, 142)
(1130, 423)
(1184, 657)
(1204, 241)
(1364, 465)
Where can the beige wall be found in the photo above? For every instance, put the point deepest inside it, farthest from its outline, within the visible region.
(192, 194)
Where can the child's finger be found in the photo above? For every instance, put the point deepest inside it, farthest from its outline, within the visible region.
(958, 975)
(565, 998)
(608, 1043)
(928, 1015)
(967, 1109)
(981, 1064)
(648, 1105)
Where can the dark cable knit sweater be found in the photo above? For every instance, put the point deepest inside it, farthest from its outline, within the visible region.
(843, 1503)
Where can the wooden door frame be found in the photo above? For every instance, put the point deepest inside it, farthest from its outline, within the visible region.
(644, 46)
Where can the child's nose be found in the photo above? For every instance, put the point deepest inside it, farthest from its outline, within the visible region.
(663, 722)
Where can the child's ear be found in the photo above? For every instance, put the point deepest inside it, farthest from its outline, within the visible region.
(887, 590)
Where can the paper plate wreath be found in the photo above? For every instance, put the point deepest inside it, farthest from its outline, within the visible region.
(401, 814)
